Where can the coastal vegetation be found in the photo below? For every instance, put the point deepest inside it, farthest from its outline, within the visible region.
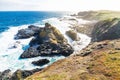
(99, 15)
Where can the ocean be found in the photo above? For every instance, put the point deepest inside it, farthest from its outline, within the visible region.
(12, 21)
(17, 18)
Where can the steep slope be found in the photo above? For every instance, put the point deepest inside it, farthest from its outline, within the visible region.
(98, 61)
(101, 64)
(106, 30)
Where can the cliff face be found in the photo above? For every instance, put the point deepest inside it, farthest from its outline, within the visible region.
(106, 30)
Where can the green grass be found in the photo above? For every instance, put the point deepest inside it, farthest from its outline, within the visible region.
(56, 77)
(107, 65)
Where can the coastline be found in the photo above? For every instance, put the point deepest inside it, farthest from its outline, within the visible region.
(78, 45)
(98, 61)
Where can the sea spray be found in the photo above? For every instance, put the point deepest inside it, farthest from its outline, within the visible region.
(9, 57)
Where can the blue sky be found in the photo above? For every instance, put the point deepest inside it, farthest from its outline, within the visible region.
(58, 5)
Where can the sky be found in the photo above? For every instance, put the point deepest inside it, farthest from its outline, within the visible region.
(59, 5)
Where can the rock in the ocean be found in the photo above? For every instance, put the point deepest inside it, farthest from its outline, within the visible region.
(30, 52)
(40, 62)
(24, 33)
(34, 28)
(73, 35)
(48, 42)
(28, 32)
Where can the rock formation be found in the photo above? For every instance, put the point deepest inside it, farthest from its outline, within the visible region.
(49, 41)
(40, 62)
(28, 32)
(73, 35)
(17, 75)
(106, 30)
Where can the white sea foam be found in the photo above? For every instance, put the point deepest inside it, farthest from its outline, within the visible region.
(64, 26)
(9, 58)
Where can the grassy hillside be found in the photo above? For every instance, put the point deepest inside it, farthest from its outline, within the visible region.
(99, 15)
(98, 61)
(103, 63)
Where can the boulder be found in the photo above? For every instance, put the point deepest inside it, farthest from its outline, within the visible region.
(48, 42)
(17, 75)
(30, 52)
(73, 35)
(24, 33)
(22, 74)
(5, 75)
(85, 53)
(28, 32)
(41, 62)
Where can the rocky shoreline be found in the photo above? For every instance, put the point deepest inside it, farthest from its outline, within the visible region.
(17, 75)
(47, 41)
(98, 61)
(91, 62)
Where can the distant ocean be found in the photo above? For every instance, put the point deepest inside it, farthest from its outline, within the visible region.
(17, 18)
(11, 22)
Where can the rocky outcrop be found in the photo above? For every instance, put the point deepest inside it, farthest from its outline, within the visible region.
(48, 42)
(21, 74)
(73, 35)
(30, 52)
(5, 75)
(17, 75)
(106, 30)
(28, 32)
(40, 62)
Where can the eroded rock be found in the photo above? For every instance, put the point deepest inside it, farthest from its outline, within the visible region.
(21, 74)
(40, 62)
(48, 42)
(28, 32)
(73, 35)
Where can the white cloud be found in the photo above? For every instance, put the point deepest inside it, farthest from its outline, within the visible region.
(59, 5)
